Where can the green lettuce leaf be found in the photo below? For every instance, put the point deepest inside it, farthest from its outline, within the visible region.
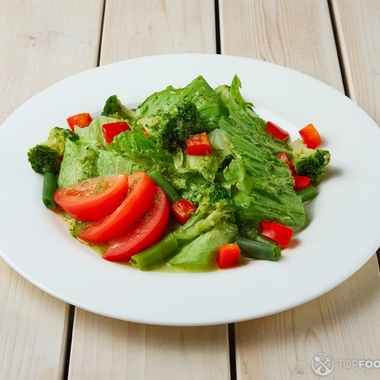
(90, 156)
(83, 159)
(150, 112)
(201, 252)
(263, 184)
(206, 165)
(94, 131)
(79, 162)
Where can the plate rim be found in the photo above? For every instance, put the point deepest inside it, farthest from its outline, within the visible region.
(193, 320)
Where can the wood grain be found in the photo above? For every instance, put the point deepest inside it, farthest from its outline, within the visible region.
(292, 33)
(40, 43)
(299, 34)
(33, 330)
(150, 27)
(44, 42)
(106, 348)
(358, 27)
(329, 324)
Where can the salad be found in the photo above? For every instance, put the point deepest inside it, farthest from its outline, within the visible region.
(193, 178)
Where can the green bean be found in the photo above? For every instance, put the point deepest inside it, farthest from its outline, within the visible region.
(308, 193)
(254, 249)
(165, 185)
(48, 188)
(155, 253)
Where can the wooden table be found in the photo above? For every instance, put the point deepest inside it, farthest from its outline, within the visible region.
(42, 42)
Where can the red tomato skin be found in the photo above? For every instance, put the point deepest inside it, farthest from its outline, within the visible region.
(182, 210)
(228, 255)
(277, 232)
(276, 131)
(83, 204)
(147, 232)
(198, 145)
(80, 120)
(310, 136)
(138, 201)
(110, 130)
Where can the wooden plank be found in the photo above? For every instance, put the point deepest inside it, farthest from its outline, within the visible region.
(358, 28)
(33, 330)
(106, 348)
(292, 33)
(136, 28)
(298, 34)
(40, 43)
(342, 323)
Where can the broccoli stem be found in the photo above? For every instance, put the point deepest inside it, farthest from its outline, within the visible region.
(308, 193)
(259, 249)
(48, 189)
(155, 253)
(165, 185)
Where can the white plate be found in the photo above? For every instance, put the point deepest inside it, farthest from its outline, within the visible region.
(343, 234)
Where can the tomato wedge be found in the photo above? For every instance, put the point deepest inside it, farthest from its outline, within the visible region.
(138, 201)
(147, 232)
(93, 199)
(80, 120)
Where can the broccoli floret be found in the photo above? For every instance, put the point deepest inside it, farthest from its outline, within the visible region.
(205, 194)
(44, 159)
(309, 162)
(176, 126)
(57, 139)
(114, 108)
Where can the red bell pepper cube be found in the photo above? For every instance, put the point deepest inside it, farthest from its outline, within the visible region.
(198, 145)
(301, 181)
(310, 136)
(277, 232)
(283, 156)
(276, 131)
(110, 130)
(80, 120)
(182, 210)
(228, 255)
